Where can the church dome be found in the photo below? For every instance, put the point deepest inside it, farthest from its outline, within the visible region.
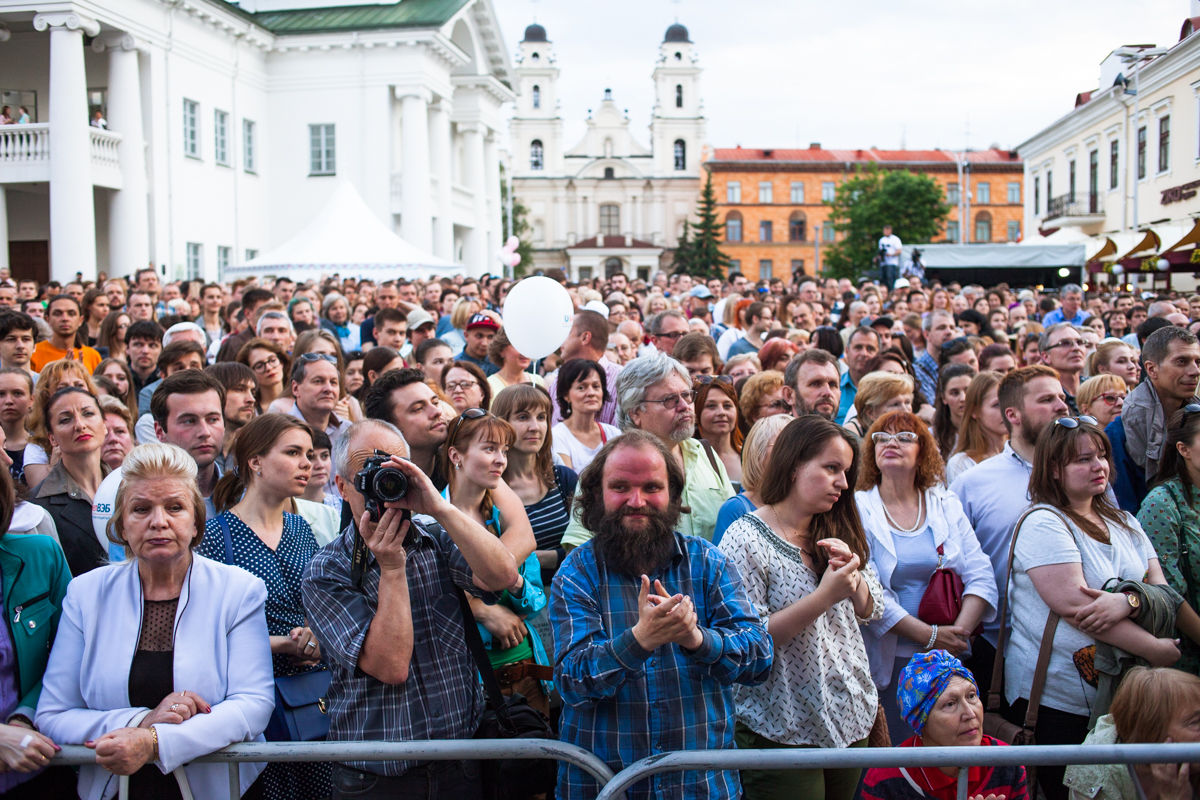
(677, 33)
(536, 33)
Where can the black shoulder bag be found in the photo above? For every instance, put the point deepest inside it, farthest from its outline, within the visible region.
(508, 718)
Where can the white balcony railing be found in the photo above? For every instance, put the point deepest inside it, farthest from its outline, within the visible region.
(104, 148)
(24, 144)
(25, 155)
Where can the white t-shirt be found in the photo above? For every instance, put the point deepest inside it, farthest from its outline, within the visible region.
(564, 443)
(893, 245)
(1044, 540)
(956, 465)
(34, 454)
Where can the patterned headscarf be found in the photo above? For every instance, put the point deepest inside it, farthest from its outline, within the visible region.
(922, 683)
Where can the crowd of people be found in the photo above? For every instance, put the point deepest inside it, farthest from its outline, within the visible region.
(723, 514)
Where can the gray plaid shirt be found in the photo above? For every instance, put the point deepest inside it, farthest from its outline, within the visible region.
(442, 698)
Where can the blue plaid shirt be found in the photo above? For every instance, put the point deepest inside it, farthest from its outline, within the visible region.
(625, 703)
(926, 367)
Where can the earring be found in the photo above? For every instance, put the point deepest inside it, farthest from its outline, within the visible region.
(259, 473)
(457, 466)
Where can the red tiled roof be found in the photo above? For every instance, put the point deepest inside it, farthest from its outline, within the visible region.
(611, 242)
(867, 155)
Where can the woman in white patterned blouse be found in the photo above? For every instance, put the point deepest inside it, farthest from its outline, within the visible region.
(804, 560)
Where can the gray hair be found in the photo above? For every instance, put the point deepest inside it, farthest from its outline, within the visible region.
(941, 312)
(656, 321)
(179, 327)
(341, 445)
(1160, 308)
(1044, 341)
(332, 298)
(273, 315)
(1070, 288)
(637, 377)
(1158, 344)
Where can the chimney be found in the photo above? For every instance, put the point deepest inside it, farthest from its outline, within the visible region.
(817, 145)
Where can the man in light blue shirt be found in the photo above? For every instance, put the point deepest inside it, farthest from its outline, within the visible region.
(861, 348)
(1071, 309)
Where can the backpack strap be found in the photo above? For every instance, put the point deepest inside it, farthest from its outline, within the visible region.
(484, 664)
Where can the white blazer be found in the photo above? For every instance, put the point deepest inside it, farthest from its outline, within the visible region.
(953, 531)
(222, 653)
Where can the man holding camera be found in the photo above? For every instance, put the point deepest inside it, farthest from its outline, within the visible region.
(889, 257)
(382, 601)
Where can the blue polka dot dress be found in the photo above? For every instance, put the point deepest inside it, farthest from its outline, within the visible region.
(281, 570)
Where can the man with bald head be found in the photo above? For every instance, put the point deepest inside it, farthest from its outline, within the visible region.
(382, 601)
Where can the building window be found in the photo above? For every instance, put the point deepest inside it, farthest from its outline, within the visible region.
(827, 232)
(609, 173)
(585, 273)
(797, 227)
(983, 227)
(537, 96)
(1141, 152)
(1014, 193)
(221, 137)
(1164, 144)
(765, 192)
(735, 265)
(765, 268)
(191, 128)
(1071, 179)
(321, 150)
(952, 194)
(1014, 230)
(797, 192)
(733, 226)
(828, 191)
(797, 266)
(1093, 180)
(952, 230)
(251, 254)
(249, 152)
(536, 160)
(765, 229)
(679, 95)
(1049, 187)
(733, 192)
(224, 256)
(195, 268)
(680, 154)
(985, 193)
(1037, 195)
(610, 220)
(1114, 172)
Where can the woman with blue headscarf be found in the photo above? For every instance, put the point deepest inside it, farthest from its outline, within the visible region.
(938, 698)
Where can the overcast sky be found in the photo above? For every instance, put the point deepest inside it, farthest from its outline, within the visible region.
(848, 73)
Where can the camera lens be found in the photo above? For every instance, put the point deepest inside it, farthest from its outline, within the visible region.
(390, 485)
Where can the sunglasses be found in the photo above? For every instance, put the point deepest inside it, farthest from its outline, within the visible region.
(1070, 423)
(707, 379)
(470, 413)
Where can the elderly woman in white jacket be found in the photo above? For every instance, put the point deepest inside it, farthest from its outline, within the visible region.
(164, 658)
(914, 526)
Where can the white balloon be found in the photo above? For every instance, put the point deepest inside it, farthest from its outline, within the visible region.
(102, 511)
(513, 243)
(1163, 265)
(537, 316)
(1117, 269)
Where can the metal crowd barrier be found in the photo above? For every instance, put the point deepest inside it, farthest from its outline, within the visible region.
(865, 757)
(444, 750)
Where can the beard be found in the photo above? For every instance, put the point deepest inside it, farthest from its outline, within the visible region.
(636, 551)
(684, 429)
(803, 408)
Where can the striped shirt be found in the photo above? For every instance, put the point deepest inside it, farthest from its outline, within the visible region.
(549, 516)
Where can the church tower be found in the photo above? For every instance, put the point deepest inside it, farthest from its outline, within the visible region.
(536, 128)
(677, 126)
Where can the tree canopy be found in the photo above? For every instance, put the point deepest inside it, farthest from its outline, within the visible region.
(699, 253)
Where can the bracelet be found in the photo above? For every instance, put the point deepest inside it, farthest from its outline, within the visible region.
(154, 735)
(932, 638)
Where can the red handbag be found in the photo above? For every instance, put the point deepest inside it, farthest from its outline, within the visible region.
(942, 601)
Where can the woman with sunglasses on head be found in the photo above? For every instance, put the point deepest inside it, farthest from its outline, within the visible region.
(1170, 515)
(983, 432)
(1073, 542)
(719, 422)
(915, 526)
(271, 367)
(1103, 397)
(582, 392)
(951, 402)
(474, 459)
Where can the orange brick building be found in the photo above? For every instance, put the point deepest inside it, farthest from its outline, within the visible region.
(773, 202)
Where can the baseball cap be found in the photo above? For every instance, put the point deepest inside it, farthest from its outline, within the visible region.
(418, 317)
(888, 322)
(700, 291)
(482, 321)
(901, 283)
(597, 306)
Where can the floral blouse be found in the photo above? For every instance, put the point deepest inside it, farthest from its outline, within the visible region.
(1173, 525)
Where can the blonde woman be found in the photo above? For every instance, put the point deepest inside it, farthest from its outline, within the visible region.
(1115, 358)
(756, 452)
(1102, 397)
(983, 432)
(762, 396)
(742, 366)
(879, 393)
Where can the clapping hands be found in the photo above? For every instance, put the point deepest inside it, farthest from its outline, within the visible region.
(664, 618)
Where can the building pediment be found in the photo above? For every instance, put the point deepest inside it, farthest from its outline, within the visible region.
(599, 167)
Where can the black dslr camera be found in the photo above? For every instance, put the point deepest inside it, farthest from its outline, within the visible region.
(379, 484)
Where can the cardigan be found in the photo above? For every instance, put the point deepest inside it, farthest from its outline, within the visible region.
(951, 528)
(222, 653)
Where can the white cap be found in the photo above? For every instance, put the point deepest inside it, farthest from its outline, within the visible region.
(901, 283)
(597, 306)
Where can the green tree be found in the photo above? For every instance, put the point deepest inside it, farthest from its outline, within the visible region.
(913, 205)
(520, 227)
(702, 256)
(685, 257)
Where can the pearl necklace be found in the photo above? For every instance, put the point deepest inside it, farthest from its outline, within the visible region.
(894, 524)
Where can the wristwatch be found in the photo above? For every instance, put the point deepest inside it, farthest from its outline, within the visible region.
(1135, 602)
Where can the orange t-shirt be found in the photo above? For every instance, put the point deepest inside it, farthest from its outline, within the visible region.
(45, 352)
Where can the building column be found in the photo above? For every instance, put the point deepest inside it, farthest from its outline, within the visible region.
(128, 222)
(416, 223)
(3, 228)
(474, 176)
(72, 211)
(635, 209)
(491, 174)
(439, 151)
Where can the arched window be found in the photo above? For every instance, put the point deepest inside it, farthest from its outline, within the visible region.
(983, 226)
(610, 220)
(733, 226)
(680, 154)
(679, 95)
(797, 227)
(537, 97)
(535, 155)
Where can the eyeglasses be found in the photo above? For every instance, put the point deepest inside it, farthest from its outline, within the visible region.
(1080, 343)
(308, 358)
(903, 437)
(777, 405)
(707, 379)
(671, 402)
(1112, 398)
(675, 337)
(470, 413)
(1071, 423)
(265, 364)
(460, 386)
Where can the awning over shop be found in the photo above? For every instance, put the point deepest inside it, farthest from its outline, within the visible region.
(999, 256)
(1184, 255)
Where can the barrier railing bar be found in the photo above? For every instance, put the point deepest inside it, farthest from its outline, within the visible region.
(441, 750)
(861, 757)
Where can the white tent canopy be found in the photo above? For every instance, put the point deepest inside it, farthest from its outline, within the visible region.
(347, 238)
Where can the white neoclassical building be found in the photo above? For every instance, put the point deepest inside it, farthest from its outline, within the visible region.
(609, 204)
(228, 126)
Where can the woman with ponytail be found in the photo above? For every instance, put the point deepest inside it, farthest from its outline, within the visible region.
(252, 530)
